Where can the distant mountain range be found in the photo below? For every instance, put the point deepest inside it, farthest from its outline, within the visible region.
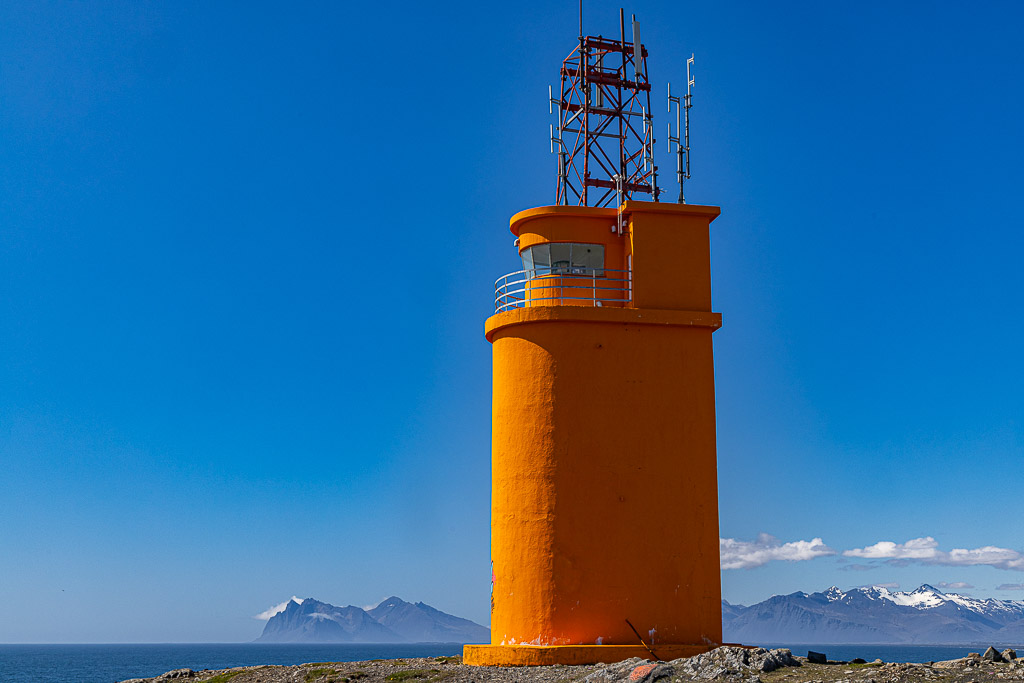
(861, 615)
(875, 615)
(392, 621)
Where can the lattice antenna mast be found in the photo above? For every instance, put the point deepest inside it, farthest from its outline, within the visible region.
(604, 137)
(682, 145)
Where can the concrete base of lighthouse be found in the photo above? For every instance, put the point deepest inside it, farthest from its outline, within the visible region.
(541, 655)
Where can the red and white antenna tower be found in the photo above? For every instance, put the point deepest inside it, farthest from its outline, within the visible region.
(604, 137)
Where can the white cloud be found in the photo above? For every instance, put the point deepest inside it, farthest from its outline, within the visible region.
(749, 554)
(1001, 558)
(914, 549)
(892, 586)
(276, 609)
(926, 551)
(1010, 587)
(956, 585)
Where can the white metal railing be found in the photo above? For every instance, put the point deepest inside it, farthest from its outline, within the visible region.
(563, 287)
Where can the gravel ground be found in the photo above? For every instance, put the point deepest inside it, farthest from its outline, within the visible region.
(729, 664)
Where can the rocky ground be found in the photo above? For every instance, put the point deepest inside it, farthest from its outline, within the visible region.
(727, 664)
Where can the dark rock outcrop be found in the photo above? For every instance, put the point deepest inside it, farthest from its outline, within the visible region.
(991, 655)
(722, 664)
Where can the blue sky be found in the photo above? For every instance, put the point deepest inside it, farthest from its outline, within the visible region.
(246, 253)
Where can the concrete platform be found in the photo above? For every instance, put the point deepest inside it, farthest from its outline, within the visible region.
(546, 655)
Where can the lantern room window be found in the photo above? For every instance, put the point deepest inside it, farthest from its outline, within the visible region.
(564, 258)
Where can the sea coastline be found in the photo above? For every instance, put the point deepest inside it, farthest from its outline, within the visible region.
(727, 664)
(99, 663)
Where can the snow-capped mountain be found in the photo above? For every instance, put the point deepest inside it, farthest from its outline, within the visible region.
(392, 621)
(312, 621)
(929, 597)
(874, 614)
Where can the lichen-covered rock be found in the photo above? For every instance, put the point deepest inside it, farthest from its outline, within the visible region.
(951, 663)
(734, 662)
(650, 671)
(620, 671)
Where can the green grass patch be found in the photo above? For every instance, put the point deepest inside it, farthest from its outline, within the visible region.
(224, 677)
(454, 659)
(323, 674)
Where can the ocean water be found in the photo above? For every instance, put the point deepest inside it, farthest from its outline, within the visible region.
(109, 663)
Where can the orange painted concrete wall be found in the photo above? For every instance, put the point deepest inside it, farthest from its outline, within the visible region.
(588, 225)
(671, 255)
(605, 496)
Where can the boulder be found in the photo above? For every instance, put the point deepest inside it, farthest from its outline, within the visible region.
(1008, 655)
(950, 663)
(816, 657)
(723, 663)
(734, 661)
(623, 671)
(648, 672)
(991, 655)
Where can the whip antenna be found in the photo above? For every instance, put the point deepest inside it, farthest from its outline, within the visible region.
(682, 141)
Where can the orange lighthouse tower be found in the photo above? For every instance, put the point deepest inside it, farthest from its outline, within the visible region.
(604, 528)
